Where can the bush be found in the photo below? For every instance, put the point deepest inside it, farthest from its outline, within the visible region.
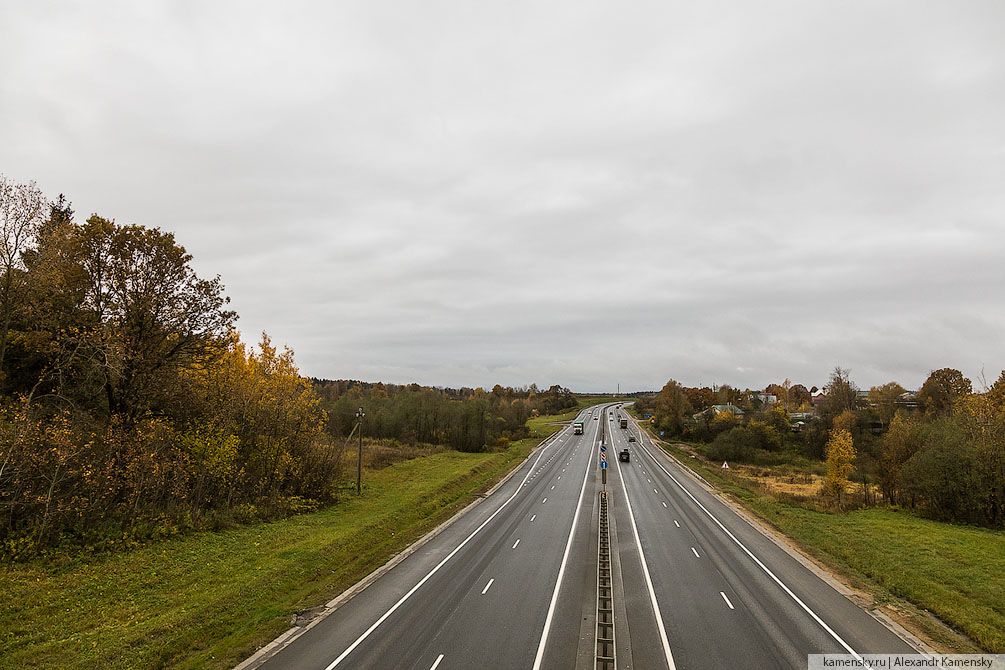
(737, 444)
(767, 437)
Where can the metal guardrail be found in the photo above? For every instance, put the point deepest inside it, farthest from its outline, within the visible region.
(604, 659)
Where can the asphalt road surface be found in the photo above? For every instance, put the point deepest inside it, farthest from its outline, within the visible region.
(513, 582)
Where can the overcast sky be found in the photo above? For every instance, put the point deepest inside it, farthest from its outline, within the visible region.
(582, 193)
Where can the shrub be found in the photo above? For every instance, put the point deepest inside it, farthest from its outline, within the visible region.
(737, 444)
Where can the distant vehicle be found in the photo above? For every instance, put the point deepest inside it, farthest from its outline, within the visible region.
(624, 423)
(623, 455)
(631, 438)
(577, 428)
(596, 418)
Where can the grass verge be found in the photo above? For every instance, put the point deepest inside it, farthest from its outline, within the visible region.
(955, 572)
(209, 599)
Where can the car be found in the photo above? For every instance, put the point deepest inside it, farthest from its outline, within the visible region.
(631, 438)
(596, 418)
(623, 455)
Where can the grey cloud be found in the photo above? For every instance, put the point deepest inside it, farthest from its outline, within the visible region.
(575, 193)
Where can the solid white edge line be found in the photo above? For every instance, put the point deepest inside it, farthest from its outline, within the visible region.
(649, 580)
(486, 589)
(561, 571)
(341, 657)
(436, 662)
(756, 560)
(726, 598)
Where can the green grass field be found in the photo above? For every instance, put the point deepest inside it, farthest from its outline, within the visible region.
(208, 599)
(955, 572)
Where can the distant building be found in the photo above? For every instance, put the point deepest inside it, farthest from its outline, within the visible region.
(766, 398)
(716, 410)
(908, 400)
(799, 420)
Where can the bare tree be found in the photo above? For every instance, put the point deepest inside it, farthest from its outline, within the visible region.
(23, 208)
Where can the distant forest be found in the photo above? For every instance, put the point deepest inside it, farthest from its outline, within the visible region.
(130, 408)
(939, 452)
(465, 419)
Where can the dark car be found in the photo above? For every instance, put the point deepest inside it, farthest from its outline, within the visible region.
(623, 455)
(631, 438)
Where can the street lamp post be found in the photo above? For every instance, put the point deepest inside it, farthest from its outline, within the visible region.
(359, 458)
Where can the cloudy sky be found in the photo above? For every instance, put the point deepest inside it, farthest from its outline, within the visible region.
(587, 193)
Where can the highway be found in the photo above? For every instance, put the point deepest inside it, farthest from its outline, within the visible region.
(512, 583)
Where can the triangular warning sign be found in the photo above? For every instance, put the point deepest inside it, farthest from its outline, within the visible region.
(725, 465)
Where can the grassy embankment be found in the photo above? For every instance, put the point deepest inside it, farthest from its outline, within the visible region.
(207, 600)
(599, 400)
(955, 572)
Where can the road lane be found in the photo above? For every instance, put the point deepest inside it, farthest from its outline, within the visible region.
(410, 618)
(723, 608)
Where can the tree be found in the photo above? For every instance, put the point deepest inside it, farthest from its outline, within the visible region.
(767, 437)
(735, 444)
(842, 393)
(941, 390)
(996, 394)
(156, 316)
(700, 398)
(884, 399)
(726, 394)
(798, 395)
(982, 416)
(778, 418)
(672, 407)
(941, 476)
(840, 456)
(898, 445)
(22, 211)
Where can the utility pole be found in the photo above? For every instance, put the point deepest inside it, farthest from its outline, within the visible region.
(359, 457)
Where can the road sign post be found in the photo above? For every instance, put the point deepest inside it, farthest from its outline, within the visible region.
(603, 465)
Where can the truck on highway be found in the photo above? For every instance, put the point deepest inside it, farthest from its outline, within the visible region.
(624, 456)
(577, 427)
(624, 423)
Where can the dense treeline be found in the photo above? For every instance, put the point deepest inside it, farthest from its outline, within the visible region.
(130, 408)
(939, 452)
(128, 405)
(465, 419)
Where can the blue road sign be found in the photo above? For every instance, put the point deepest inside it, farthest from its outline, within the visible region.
(603, 448)
(603, 465)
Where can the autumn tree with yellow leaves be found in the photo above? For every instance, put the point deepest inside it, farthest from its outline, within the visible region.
(840, 452)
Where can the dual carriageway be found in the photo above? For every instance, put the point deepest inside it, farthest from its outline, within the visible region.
(513, 581)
